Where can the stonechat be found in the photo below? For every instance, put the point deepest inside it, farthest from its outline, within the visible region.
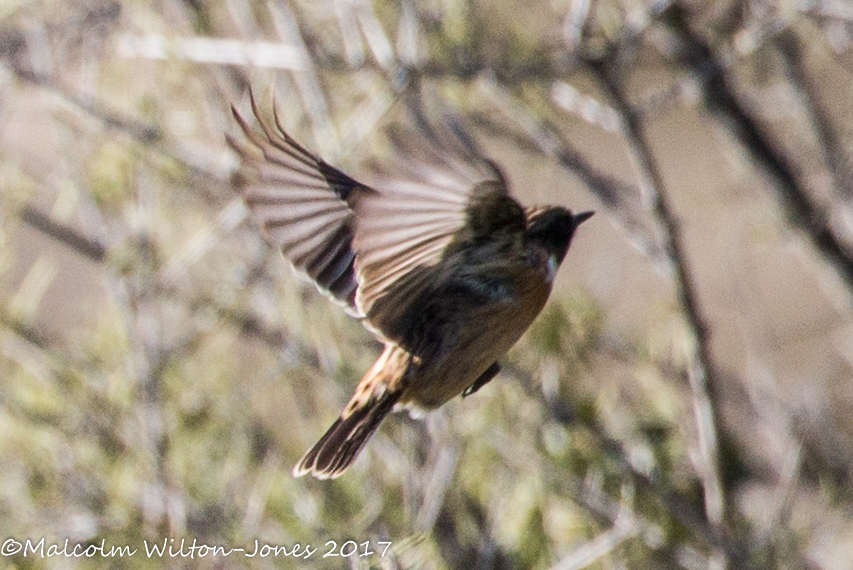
(438, 261)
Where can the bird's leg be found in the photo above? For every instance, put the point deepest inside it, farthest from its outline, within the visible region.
(484, 379)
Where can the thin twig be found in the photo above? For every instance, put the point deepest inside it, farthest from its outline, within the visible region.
(247, 323)
(624, 528)
(702, 375)
(722, 102)
(306, 80)
(377, 40)
(791, 48)
(84, 245)
(681, 508)
(142, 132)
(149, 136)
(211, 51)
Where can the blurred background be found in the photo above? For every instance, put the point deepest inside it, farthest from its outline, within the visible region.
(684, 401)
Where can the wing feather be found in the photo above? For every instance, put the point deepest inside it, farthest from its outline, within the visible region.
(372, 251)
(303, 206)
(404, 229)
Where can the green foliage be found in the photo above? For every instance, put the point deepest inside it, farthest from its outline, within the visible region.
(110, 171)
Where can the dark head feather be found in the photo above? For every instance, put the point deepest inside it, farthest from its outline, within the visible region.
(553, 228)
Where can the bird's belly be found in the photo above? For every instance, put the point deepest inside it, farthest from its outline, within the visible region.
(484, 338)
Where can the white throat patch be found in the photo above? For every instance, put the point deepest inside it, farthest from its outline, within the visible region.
(553, 265)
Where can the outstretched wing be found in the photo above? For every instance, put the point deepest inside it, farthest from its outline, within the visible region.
(403, 230)
(303, 206)
(371, 251)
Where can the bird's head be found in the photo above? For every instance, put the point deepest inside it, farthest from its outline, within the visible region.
(553, 228)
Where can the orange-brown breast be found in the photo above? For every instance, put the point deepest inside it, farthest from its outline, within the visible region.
(484, 337)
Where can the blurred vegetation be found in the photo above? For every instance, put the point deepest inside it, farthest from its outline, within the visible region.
(682, 402)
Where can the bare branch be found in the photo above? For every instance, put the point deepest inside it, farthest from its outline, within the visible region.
(723, 103)
(703, 379)
(80, 243)
(791, 48)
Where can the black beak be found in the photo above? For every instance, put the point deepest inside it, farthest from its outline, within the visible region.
(582, 217)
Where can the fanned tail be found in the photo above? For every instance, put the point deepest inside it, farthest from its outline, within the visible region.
(339, 447)
(374, 399)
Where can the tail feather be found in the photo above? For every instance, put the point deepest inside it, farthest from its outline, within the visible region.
(340, 445)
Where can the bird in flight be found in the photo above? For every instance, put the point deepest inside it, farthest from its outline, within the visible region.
(438, 261)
